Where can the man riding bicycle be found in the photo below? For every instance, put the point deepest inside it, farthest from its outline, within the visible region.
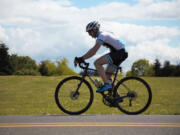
(116, 56)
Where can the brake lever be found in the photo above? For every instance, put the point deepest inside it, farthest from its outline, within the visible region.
(85, 63)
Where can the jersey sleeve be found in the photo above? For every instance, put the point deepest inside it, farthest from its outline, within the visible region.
(99, 41)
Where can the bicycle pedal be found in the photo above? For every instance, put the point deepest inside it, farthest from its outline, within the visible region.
(113, 105)
(119, 100)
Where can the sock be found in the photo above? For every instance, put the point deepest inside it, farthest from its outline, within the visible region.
(110, 81)
(107, 84)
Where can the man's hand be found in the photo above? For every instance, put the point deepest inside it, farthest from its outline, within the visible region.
(78, 60)
(75, 61)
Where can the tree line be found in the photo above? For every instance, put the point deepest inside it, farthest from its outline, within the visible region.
(142, 67)
(24, 65)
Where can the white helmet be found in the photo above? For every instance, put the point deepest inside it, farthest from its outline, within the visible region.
(92, 25)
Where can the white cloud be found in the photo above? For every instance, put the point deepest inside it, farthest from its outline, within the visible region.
(35, 13)
(44, 12)
(135, 34)
(24, 41)
(149, 42)
(3, 36)
(49, 29)
(141, 11)
(146, 1)
(154, 49)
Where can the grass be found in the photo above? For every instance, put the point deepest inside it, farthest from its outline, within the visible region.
(166, 95)
(34, 95)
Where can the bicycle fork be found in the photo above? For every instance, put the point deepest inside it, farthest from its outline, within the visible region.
(76, 93)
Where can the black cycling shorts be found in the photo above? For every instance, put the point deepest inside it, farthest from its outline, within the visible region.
(115, 58)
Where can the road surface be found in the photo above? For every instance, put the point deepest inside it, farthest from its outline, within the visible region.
(91, 125)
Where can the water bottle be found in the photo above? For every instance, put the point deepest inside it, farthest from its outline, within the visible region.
(98, 83)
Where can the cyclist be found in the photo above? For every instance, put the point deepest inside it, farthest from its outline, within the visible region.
(116, 56)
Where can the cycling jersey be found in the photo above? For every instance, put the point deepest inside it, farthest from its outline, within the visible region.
(117, 54)
(109, 40)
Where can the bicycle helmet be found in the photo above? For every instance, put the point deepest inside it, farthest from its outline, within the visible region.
(92, 25)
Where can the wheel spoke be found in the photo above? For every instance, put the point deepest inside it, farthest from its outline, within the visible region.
(73, 96)
(136, 95)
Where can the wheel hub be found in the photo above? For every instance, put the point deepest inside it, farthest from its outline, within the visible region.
(132, 95)
(74, 95)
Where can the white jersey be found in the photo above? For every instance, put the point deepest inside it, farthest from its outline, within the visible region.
(109, 40)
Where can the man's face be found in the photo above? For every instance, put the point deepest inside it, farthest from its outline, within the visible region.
(93, 33)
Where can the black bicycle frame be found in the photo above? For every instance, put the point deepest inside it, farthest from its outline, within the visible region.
(86, 69)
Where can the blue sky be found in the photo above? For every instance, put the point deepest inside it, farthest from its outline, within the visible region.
(56, 28)
(92, 3)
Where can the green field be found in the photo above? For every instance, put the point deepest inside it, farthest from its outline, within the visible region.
(34, 95)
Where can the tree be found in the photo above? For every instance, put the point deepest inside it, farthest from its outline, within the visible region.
(23, 65)
(142, 68)
(63, 69)
(149, 71)
(43, 69)
(157, 68)
(14, 61)
(167, 69)
(129, 73)
(47, 68)
(5, 67)
(177, 70)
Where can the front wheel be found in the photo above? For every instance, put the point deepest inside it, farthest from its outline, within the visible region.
(135, 94)
(74, 95)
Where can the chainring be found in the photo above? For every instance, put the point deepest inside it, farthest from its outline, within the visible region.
(108, 99)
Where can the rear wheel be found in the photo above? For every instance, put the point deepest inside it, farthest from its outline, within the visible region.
(74, 95)
(135, 93)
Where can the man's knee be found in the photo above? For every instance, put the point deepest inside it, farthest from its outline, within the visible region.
(99, 62)
(96, 63)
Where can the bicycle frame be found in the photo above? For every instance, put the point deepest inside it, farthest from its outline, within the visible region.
(86, 69)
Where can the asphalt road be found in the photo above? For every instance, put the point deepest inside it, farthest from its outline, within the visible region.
(91, 125)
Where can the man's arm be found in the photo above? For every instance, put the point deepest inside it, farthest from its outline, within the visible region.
(92, 51)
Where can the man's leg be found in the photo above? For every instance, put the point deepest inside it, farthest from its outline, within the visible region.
(99, 66)
(109, 72)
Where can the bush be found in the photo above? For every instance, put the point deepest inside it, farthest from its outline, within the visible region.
(27, 72)
(47, 68)
(63, 69)
(129, 73)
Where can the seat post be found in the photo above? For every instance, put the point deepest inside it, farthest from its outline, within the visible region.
(120, 69)
(115, 76)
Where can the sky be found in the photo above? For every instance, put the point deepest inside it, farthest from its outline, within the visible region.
(54, 29)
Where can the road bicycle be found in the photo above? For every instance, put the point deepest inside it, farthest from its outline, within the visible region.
(74, 95)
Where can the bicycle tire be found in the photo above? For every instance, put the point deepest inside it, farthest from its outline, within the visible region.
(149, 93)
(59, 89)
